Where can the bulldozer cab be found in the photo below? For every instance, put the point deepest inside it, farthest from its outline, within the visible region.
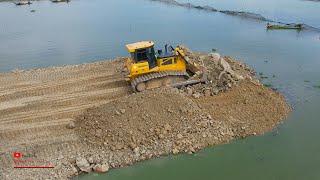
(143, 52)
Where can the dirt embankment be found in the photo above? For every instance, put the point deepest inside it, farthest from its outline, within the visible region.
(157, 122)
(85, 118)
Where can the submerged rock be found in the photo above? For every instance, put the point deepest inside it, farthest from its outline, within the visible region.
(101, 168)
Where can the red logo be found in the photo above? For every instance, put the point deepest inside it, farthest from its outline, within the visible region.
(17, 155)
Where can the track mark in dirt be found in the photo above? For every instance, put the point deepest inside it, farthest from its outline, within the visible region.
(37, 105)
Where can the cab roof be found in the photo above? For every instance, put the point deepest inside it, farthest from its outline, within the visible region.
(139, 45)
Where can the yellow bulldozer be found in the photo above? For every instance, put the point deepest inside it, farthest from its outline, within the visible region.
(148, 69)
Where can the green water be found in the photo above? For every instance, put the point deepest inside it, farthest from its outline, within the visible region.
(89, 30)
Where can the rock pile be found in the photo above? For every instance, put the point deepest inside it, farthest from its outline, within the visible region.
(222, 72)
(89, 164)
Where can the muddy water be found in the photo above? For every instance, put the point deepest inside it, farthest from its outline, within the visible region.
(84, 31)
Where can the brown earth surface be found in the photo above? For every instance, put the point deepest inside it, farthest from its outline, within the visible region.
(166, 120)
(36, 106)
(85, 117)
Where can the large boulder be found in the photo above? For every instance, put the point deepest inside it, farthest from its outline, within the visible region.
(83, 164)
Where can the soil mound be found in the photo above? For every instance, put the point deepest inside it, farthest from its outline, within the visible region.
(139, 126)
(162, 119)
(232, 104)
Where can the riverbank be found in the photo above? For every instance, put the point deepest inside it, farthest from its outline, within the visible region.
(85, 118)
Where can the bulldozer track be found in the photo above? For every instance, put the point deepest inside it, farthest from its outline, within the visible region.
(37, 105)
(47, 88)
(156, 75)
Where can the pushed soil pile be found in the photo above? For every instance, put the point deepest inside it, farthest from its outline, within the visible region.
(233, 104)
(163, 121)
(247, 108)
(160, 120)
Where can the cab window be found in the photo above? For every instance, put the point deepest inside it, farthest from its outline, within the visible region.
(167, 61)
(142, 54)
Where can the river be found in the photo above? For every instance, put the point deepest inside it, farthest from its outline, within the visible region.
(90, 30)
